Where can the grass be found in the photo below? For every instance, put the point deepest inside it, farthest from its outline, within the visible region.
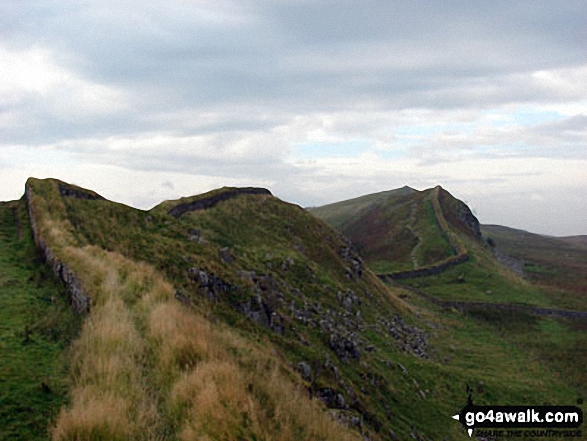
(141, 357)
(36, 328)
(395, 231)
(557, 265)
(204, 371)
(493, 350)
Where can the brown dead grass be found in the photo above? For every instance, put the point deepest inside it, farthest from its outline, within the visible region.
(148, 368)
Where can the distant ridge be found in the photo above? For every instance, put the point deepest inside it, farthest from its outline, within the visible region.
(338, 213)
(405, 233)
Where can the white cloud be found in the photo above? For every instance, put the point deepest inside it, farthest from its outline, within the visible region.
(316, 100)
(34, 75)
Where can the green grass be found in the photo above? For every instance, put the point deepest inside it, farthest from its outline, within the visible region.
(263, 234)
(394, 231)
(481, 279)
(558, 265)
(435, 245)
(341, 213)
(556, 343)
(36, 326)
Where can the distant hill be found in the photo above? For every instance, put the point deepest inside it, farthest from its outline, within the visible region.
(431, 243)
(235, 315)
(342, 213)
(405, 233)
(556, 262)
(403, 229)
(576, 240)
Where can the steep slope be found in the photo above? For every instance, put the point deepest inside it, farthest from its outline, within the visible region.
(341, 213)
(481, 280)
(266, 268)
(403, 230)
(234, 315)
(146, 366)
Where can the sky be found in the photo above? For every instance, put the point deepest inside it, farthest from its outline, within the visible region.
(319, 101)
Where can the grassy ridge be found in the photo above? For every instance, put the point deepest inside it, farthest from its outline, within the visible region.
(205, 371)
(398, 230)
(533, 358)
(146, 367)
(36, 326)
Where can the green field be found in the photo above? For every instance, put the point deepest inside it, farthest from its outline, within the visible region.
(384, 357)
(36, 326)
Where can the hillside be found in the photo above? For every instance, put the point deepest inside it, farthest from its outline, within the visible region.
(559, 264)
(402, 230)
(518, 308)
(235, 315)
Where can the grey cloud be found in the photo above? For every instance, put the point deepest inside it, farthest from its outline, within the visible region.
(242, 71)
(167, 53)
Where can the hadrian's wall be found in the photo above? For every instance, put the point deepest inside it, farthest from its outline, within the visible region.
(79, 299)
(209, 202)
(461, 252)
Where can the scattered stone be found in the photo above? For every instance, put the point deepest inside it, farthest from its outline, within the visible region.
(211, 286)
(287, 264)
(226, 255)
(330, 397)
(194, 234)
(345, 347)
(305, 369)
(409, 338)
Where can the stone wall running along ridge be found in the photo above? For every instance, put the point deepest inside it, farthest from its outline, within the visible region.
(79, 299)
(209, 202)
(462, 255)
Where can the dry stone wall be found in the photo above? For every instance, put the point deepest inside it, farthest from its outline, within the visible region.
(209, 202)
(80, 301)
(461, 253)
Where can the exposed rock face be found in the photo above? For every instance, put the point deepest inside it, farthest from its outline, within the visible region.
(468, 219)
(409, 338)
(354, 263)
(209, 202)
(263, 307)
(331, 398)
(459, 214)
(210, 285)
(345, 346)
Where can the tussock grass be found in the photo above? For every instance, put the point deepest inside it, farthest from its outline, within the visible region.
(148, 368)
(111, 397)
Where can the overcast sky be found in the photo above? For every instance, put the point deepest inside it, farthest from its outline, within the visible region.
(318, 101)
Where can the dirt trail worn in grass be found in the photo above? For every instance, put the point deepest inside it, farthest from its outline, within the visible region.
(36, 325)
(415, 232)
